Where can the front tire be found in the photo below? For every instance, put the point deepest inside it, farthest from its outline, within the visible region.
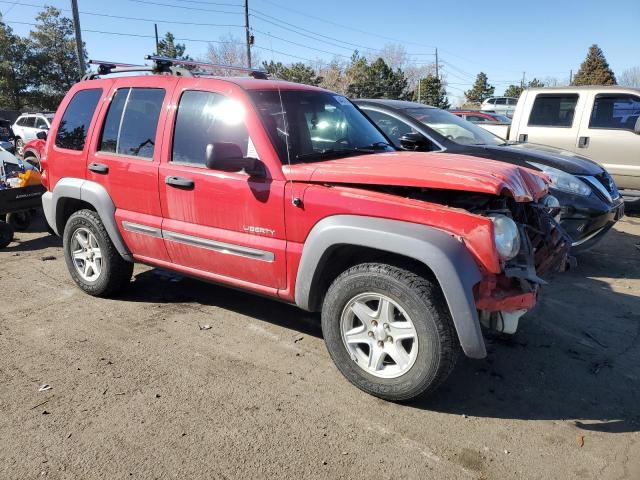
(20, 221)
(389, 331)
(93, 261)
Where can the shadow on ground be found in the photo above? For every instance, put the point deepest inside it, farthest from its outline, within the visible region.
(576, 356)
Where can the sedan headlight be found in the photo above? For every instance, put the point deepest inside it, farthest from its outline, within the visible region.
(506, 236)
(564, 181)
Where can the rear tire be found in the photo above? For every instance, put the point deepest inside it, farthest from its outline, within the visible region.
(33, 161)
(6, 234)
(20, 221)
(418, 313)
(93, 261)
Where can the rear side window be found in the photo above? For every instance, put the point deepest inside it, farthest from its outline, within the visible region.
(41, 123)
(205, 118)
(620, 112)
(72, 131)
(132, 121)
(550, 110)
(501, 101)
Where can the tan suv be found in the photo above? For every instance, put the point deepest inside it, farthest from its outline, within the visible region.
(602, 123)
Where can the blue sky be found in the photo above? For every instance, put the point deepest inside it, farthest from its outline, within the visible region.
(502, 38)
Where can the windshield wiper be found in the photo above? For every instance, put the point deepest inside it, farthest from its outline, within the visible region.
(334, 152)
(375, 146)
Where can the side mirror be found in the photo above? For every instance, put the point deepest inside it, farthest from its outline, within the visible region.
(414, 141)
(41, 135)
(228, 157)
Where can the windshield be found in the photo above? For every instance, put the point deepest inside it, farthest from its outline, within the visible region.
(454, 128)
(313, 126)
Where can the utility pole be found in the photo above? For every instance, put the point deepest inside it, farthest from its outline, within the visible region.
(522, 82)
(247, 32)
(437, 66)
(76, 26)
(155, 25)
(570, 76)
(419, 85)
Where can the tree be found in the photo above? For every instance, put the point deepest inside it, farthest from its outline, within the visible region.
(481, 89)
(594, 70)
(168, 48)
(516, 90)
(15, 74)
(375, 80)
(513, 91)
(54, 62)
(332, 77)
(631, 77)
(229, 50)
(430, 91)
(297, 72)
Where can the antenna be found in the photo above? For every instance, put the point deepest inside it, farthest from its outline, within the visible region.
(253, 72)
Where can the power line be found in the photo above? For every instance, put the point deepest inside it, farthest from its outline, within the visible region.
(138, 19)
(348, 27)
(185, 7)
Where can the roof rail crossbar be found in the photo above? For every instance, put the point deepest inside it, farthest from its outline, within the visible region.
(108, 68)
(253, 72)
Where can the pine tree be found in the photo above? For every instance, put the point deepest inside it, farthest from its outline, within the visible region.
(515, 91)
(296, 72)
(15, 78)
(375, 80)
(594, 70)
(430, 91)
(481, 90)
(167, 47)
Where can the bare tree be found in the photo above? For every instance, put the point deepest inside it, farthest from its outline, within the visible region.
(229, 50)
(630, 77)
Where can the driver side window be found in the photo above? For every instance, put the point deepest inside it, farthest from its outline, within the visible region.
(391, 126)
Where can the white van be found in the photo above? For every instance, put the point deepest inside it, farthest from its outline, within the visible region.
(602, 123)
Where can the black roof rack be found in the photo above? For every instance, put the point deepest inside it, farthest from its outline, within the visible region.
(253, 72)
(167, 66)
(109, 68)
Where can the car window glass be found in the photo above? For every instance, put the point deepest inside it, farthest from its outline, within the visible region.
(553, 110)
(307, 125)
(72, 131)
(205, 118)
(491, 101)
(501, 101)
(512, 101)
(391, 126)
(454, 128)
(41, 123)
(132, 121)
(615, 112)
(29, 122)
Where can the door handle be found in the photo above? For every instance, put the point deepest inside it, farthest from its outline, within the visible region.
(99, 168)
(523, 137)
(583, 142)
(180, 182)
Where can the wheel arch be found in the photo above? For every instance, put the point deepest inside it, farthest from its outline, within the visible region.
(73, 194)
(420, 248)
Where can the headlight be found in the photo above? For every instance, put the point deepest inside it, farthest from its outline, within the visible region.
(506, 236)
(564, 181)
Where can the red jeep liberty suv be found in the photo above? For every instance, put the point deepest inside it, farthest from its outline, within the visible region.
(289, 191)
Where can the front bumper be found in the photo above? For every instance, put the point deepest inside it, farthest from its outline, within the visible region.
(587, 219)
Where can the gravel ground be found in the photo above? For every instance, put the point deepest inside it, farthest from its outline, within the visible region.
(139, 390)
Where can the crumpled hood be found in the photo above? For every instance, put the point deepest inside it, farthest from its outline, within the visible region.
(427, 170)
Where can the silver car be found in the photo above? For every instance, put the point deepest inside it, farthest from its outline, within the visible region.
(502, 105)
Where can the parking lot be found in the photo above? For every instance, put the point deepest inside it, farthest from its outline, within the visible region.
(141, 387)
